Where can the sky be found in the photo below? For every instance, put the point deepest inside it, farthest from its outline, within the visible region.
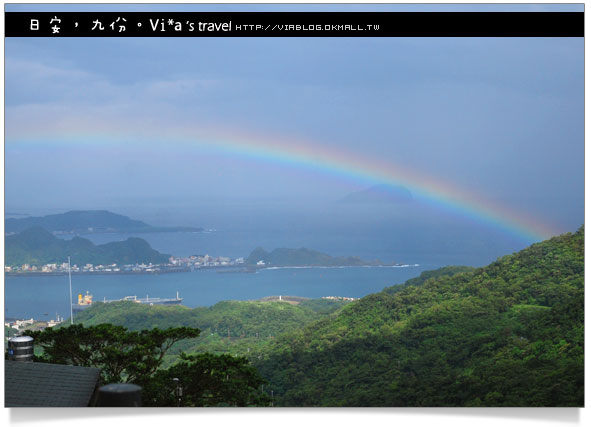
(106, 122)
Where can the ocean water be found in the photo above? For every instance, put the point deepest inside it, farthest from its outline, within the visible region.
(42, 297)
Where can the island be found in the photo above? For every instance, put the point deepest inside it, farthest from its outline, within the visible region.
(88, 222)
(304, 257)
(379, 194)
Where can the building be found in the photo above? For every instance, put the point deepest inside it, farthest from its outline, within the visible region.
(32, 384)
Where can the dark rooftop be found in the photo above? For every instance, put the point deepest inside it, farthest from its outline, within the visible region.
(43, 384)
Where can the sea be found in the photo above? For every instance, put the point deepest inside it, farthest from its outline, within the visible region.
(415, 240)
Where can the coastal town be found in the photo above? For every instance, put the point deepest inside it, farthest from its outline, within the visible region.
(16, 326)
(175, 265)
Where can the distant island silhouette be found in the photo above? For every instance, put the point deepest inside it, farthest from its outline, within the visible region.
(87, 222)
(304, 257)
(379, 194)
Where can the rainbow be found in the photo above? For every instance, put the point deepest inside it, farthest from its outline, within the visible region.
(315, 157)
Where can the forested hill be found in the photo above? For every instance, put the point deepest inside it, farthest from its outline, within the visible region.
(84, 222)
(37, 246)
(509, 334)
(244, 328)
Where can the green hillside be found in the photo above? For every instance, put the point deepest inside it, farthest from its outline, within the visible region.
(37, 246)
(509, 334)
(244, 328)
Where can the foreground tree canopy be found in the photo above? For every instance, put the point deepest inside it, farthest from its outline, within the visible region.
(208, 380)
(136, 357)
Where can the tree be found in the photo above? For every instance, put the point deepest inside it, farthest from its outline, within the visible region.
(122, 355)
(207, 380)
(136, 357)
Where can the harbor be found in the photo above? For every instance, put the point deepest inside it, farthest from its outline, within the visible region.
(27, 297)
(85, 301)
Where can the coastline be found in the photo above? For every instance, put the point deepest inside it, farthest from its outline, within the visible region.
(338, 266)
(98, 273)
(221, 269)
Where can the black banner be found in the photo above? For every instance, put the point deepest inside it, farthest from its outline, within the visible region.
(294, 24)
